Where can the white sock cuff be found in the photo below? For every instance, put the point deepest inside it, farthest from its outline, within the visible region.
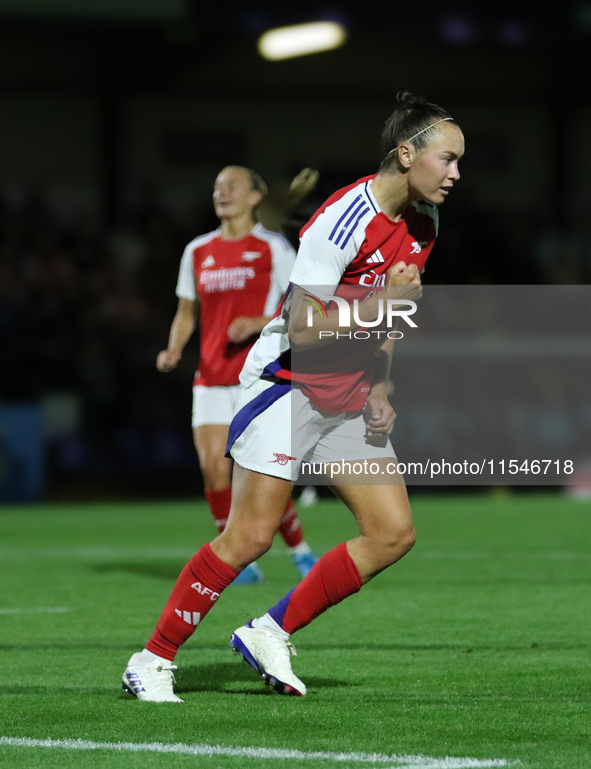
(300, 549)
(268, 623)
(148, 658)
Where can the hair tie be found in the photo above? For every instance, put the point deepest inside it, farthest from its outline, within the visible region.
(431, 125)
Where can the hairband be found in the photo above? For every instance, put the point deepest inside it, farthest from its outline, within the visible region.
(431, 125)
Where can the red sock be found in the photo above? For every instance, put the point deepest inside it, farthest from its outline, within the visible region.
(198, 587)
(290, 527)
(332, 578)
(219, 504)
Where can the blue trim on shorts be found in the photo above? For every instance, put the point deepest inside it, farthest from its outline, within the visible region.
(252, 410)
(272, 368)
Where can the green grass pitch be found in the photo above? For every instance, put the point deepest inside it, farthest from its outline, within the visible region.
(475, 645)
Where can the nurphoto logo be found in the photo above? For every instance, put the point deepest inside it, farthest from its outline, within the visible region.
(388, 310)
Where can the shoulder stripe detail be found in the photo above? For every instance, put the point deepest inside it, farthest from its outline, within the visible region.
(284, 298)
(363, 204)
(354, 227)
(338, 224)
(369, 196)
(260, 231)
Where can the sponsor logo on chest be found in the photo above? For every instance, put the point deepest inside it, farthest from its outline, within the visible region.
(226, 279)
(372, 278)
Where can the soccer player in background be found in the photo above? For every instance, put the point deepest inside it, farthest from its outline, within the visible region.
(234, 277)
(377, 233)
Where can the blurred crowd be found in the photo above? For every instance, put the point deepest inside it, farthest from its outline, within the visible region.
(84, 310)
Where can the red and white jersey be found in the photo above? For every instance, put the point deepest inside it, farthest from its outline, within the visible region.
(231, 279)
(348, 242)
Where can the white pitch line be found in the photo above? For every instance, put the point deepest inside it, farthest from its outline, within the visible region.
(166, 553)
(38, 610)
(95, 552)
(112, 552)
(396, 762)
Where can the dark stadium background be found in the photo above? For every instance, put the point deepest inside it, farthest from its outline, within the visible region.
(115, 117)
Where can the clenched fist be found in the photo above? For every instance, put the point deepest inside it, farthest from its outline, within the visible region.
(402, 274)
(167, 360)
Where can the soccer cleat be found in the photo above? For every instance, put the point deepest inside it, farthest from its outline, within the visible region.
(269, 655)
(150, 684)
(252, 575)
(304, 562)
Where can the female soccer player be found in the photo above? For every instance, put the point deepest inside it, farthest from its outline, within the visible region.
(376, 234)
(235, 276)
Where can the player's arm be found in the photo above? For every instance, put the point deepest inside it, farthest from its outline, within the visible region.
(301, 185)
(282, 261)
(325, 323)
(379, 414)
(276, 207)
(403, 283)
(241, 329)
(183, 325)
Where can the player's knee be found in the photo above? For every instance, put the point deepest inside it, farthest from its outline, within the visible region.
(215, 473)
(252, 548)
(261, 544)
(249, 544)
(408, 539)
(398, 543)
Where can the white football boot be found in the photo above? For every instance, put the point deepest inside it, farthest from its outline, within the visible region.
(150, 683)
(269, 655)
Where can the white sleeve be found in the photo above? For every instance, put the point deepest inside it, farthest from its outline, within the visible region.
(283, 258)
(185, 287)
(323, 256)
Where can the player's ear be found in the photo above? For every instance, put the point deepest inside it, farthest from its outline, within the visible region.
(256, 198)
(406, 155)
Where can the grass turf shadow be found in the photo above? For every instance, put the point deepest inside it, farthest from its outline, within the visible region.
(125, 648)
(221, 676)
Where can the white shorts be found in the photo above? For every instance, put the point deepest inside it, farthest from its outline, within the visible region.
(276, 429)
(214, 405)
